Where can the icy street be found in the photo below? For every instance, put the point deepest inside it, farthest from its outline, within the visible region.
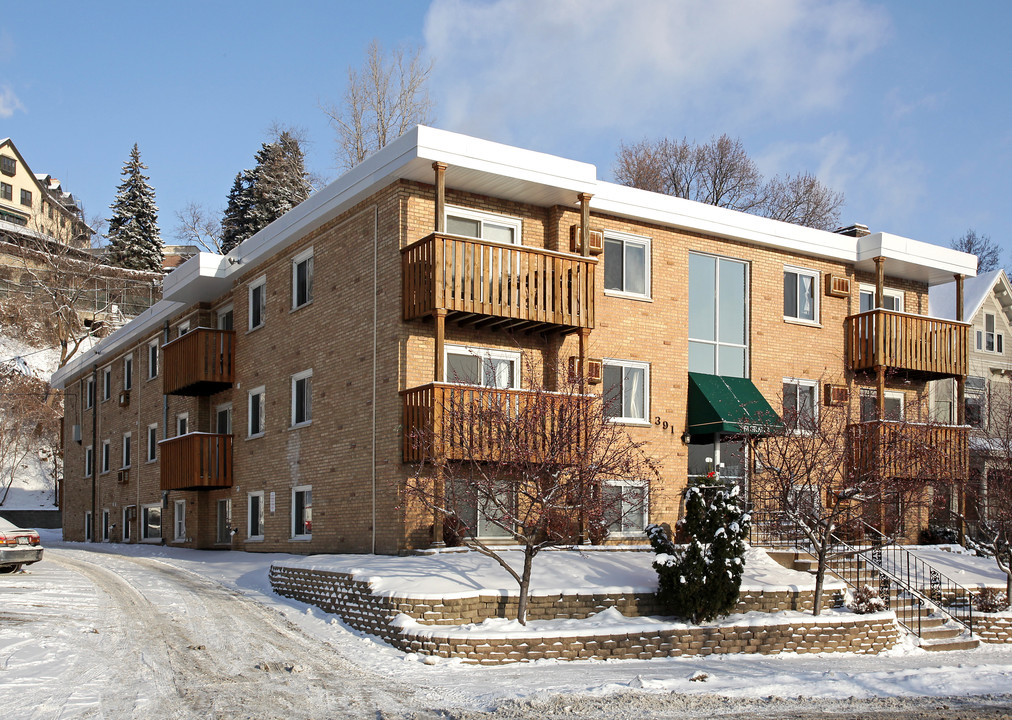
(117, 631)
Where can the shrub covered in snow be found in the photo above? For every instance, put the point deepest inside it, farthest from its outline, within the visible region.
(867, 600)
(990, 600)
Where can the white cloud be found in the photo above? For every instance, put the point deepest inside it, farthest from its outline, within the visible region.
(9, 102)
(528, 69)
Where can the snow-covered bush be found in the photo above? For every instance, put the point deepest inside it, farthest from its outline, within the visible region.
(990, 600)
(867, 600)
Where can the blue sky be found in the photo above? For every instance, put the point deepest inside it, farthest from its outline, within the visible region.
(903, 106)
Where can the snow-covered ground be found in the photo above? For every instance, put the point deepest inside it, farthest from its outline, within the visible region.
(651, 688)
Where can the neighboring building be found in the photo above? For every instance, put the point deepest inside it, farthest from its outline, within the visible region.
(175, 255)
(38, 201)
(264, 403)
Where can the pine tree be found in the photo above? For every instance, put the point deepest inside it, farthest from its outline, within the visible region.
(260, 196)
(134, 240)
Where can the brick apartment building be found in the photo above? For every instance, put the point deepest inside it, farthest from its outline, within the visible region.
(263, 403)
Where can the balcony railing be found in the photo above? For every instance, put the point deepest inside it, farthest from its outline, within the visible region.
(201, 362)
(909, 450)
(196, 461)
(923, 346)
(522, 287)
(463, 422)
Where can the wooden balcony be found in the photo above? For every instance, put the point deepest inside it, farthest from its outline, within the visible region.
(925, 348)
(463, 422)
(488, 284)
(890, 448)
(201, 362)
(196, 461)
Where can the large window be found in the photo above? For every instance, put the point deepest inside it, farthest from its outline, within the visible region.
(718, 316)
(723, 456)
(625, 507)
(151, 523)
(477, 520)
(479, 366)
(256, 410)
(801, 294)
(800, 404)
(626, 390)
(302, 398)
(627, 264)
(302, 279)
(255, 515)
(482, 225)
(257, 302)
(302, 512)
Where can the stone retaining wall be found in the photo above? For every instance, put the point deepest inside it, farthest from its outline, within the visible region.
(993, 628)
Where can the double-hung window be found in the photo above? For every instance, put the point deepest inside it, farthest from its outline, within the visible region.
(255, 515)
(302, 398)
(482, 225)
(479, 366)
(626, 265)
(256, 410)
(128, 372)
(718, 315)
(626, 390)
(152, 442)
(302, 279)
(26, 198)
(989, 339)
(152, 359)
(89, 393)
(801, 294)
(106, 384)
(6, 191)
(106, 454)
(257, 302)
(302, 512)
(89, 461)
(127, 449)
(800, 404)
(625, 507)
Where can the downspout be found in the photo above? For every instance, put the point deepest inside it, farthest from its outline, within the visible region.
(165, 429)
(375, 331)
(94, 447)
(165, 398)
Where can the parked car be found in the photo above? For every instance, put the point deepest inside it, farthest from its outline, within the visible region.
(18, 547)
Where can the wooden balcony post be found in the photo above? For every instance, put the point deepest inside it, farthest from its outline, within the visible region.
(439, 368)
(879, 281)
(585, 223)
(961, 379)
(440, 169)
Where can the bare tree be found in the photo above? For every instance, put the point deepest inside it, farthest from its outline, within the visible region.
(383, 99)
(721, 172)
(28, 421)
(531, 466)
(987, 250)
(196, 225)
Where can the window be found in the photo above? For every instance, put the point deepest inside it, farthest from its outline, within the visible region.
(484, 226)
(182, 423)
(106, 453)
(256, 412)
(626, 390)
(891, 299)
(722, 454)
(800, 404)
(89, 393)
(302, 398)
(255, 515)
(129, 513)
(478, 366)
(223, 419)
(105, 526)
(183, 328)
(893, 405)
(718, 316)
(89, 461)
(223, 523)
(152, 442)
(625, 507)
(8, 165)
(106, 384)
(801, 294)
(87, 526)
(302, 279)
(302, 512)
(989, 339)
(257, 302)
(627, 264)
(481, 522)
(179, 515)
(26, 198)
(152, 359)
(127, 449)
(6, 191)
(49, 210)
(151, 523)
(225, 318)
(973, 402)
(128, 372)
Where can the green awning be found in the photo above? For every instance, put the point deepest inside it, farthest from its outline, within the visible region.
(719, 404)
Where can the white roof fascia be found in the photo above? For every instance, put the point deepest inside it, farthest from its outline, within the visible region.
(915, 257)
(202, 277)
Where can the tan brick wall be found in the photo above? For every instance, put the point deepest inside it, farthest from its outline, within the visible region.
(993, 628)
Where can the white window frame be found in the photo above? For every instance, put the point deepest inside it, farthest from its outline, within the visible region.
(179, 521)
(482, 354)
(89, 392)
(143, 524)
(106, 459)
(261, 283)
(627, 239)
(249, 516)
(89, 460)
(127, 449)
(125, 532)
(816, 288)
(105, 525)
(893, 394)
(306, 256)
(308, 402)
(153, 359)
(182, 328)
(152, 455)
(262, 412)
(218, 409)
(716, 343)
(106, 383)
(644, 511)
(222, 312)
(992, 338)
(645, 366)
(814, 385)
(89, 526)
(897, 295)
(295, 491)
(182, 419)
(515, 223)
(128, 372)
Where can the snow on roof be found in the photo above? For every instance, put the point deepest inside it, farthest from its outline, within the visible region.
(942, 298)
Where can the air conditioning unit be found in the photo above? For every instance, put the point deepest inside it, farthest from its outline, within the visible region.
(124, 398)
(837, 395)
(596, 241)
(123, 477)
(837, 286)
(594, 370)
(76, 433)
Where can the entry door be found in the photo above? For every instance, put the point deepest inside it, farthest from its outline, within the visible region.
(224, 521)
(223, 420)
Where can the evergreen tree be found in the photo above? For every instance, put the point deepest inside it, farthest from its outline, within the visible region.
(260, 196)
(134, 240)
